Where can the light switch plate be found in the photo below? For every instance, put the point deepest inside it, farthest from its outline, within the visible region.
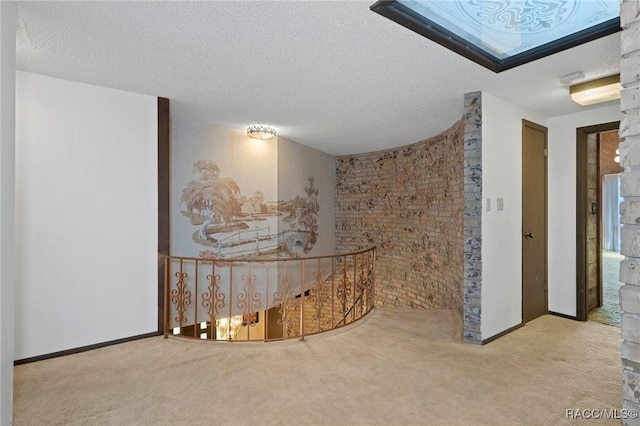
(488, 204)
(500, 204)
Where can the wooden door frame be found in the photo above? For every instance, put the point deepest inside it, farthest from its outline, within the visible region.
(164, 136)
(545, 130)
(582, 186)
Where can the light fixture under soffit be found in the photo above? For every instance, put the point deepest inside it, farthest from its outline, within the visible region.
(596, 91)
(261, 131)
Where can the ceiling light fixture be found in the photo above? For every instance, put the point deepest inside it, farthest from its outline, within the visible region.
(261, 131)
(596, 91)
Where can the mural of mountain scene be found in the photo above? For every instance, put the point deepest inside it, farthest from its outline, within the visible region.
(234, 225)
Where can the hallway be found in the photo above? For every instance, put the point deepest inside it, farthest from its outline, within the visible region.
(609, 312)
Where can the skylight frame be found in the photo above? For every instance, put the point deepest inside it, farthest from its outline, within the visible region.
(408, 18)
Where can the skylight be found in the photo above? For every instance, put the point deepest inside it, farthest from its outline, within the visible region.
(502, 34)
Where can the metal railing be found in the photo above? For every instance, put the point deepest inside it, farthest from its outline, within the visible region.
(261, 299)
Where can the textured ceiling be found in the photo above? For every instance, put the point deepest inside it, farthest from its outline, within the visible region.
(331, 75)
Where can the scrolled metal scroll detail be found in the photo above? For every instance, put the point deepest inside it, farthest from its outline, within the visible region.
(213, 300)
(321, 295)
(343, 290)
(249, 300)
(284, 298)
(181, 298)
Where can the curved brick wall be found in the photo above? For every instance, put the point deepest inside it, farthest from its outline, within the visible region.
(409, 202)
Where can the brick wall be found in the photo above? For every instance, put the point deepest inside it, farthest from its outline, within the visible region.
(630, 209)
(409, 203)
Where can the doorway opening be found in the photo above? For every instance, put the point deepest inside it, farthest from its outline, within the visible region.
(598, 224)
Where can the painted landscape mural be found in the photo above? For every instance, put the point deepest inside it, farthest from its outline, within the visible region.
(236, 197)
(229, 223)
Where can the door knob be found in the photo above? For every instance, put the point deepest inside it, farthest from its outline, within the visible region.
(528, 235)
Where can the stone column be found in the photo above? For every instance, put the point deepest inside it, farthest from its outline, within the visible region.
(472, 217)
(630, 208)
(7, 204)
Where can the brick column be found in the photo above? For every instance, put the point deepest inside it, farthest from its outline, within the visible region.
(630, 208)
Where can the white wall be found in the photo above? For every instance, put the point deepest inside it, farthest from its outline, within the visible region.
(501, 230)
(86, 214)
(501, 239)
(7, 204)
(562, 202)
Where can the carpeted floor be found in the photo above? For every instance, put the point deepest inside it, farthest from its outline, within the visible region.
(397, 367)
(609, 312)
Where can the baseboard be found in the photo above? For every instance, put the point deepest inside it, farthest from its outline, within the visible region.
(564, 316)
(84, 348)
(499, 335)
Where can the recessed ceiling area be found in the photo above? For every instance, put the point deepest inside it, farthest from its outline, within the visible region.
(503, 34)
(330, 75)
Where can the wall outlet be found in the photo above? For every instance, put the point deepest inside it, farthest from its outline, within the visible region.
(488, 204)
(500, 204)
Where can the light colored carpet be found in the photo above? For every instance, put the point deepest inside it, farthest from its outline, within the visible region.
(609, 312)
(397, 366)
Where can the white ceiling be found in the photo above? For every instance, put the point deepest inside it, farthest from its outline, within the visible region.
(331, 75)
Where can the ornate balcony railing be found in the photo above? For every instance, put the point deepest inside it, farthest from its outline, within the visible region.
(266, 299)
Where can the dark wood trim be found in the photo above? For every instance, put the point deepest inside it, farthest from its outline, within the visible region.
(581, 212)
(84, 348)
(558, 314)
(599, 228)
(503, 333)
(164, 133)
(581, 224)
